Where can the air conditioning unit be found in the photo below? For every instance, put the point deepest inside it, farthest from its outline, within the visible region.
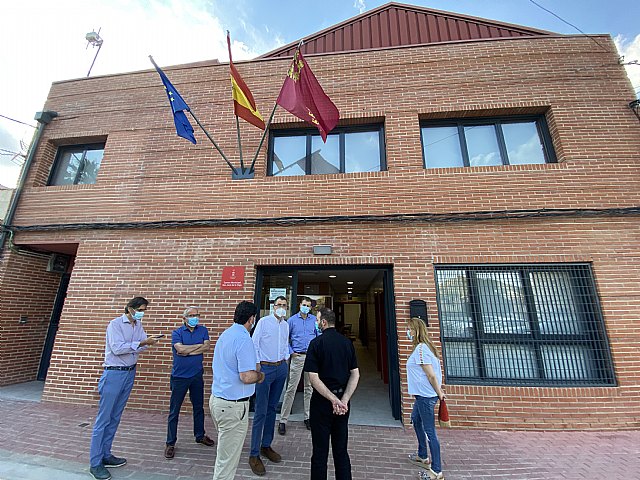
(58, 263)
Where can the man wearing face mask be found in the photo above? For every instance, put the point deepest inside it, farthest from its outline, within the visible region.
(189, 343)
(125, 340)
(271, 341)
(333, 370)
(302, 329)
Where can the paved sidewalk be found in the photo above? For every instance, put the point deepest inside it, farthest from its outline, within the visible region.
(51, 441)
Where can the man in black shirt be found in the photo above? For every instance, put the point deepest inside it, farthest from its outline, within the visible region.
(333, 372)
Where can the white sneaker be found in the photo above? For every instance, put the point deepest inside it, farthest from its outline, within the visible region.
(430, 475)
(420, 462)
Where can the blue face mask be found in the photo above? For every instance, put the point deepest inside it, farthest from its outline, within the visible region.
(280, 312)
(304, 309)
(192, 321)
(138, 314)
(318, 329)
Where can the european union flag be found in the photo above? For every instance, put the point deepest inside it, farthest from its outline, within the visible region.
(178, 107)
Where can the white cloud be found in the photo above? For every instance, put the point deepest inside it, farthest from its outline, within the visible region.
(43, 41)
(631, 52)
(359, 5)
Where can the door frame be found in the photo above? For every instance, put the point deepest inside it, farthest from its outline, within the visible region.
(52, 330)
(393, 367)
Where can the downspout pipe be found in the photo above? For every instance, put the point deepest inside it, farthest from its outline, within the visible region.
(43, 119)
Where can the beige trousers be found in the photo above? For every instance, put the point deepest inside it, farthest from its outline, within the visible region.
(232, 421)
(296, 367)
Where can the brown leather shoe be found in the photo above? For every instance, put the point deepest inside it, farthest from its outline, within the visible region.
(206, 441)
(271, 454)
(257, 466)
(169, 451)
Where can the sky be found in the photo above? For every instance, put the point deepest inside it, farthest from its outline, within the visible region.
(44, 41)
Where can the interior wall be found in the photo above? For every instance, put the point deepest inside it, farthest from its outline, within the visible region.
(352, 316)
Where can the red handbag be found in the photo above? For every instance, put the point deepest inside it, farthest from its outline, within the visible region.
(443, 415)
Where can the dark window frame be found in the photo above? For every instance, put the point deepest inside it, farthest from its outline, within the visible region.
(541, 126)
(62, 149)
(582, 281)
(341, 131)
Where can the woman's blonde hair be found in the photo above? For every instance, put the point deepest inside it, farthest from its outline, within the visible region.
(421, 335)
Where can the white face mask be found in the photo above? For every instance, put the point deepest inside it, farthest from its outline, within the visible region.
(409, 336)
(280, 312)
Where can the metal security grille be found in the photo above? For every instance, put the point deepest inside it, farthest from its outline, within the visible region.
(522, 325)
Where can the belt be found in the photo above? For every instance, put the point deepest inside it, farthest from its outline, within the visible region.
(300, 353)
(271, 364)
(127, 369)
(245, 399)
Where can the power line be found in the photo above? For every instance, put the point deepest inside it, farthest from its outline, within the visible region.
(570, 24)
(18, 121)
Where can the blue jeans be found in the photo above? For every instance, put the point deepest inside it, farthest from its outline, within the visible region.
(179, 388)
(424, 424)
(114, 388)
(267, 396)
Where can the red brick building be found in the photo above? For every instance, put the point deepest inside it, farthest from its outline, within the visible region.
(489, 170)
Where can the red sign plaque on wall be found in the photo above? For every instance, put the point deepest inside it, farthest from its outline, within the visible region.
(232, 278)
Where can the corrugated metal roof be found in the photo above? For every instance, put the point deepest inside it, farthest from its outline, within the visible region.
(397, 25)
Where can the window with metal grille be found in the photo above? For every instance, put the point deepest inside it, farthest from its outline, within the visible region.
(522, 325)
(348, 149)
(486, 141)
(77, 164)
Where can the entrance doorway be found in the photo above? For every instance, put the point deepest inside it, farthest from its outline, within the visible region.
(362, 298)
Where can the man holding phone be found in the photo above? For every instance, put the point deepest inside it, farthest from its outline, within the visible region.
(189, 343)
(125, 340)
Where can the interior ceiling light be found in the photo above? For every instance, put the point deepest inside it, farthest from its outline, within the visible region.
(332, 276)
(349, 283)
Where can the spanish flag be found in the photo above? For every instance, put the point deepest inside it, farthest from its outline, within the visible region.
(244, 105)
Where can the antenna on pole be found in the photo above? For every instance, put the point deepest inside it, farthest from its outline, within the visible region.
(95, 40)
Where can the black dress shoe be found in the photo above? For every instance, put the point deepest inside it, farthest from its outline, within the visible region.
(282, 428)
(206, 441)
(307, 424)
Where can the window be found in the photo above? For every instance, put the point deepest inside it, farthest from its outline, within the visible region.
(522, 325)
(483, 142)
(77, 164)
(347, 150)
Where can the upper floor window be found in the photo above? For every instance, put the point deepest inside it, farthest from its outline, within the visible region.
(484, 142)
(522, 325)
(348, 150)
(77, 164)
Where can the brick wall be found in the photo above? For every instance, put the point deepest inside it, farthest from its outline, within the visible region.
(149, 174)
(26, 289)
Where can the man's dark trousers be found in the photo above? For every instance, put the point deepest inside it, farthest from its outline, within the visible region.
(324, 426)
(179, 387)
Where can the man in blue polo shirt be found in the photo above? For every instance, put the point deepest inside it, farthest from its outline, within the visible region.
(236, 371)
(189, 342)
(302, 329)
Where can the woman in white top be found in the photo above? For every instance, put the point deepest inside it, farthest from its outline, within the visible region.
(424, 378)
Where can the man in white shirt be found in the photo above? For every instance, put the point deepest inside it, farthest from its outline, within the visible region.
(271, 341)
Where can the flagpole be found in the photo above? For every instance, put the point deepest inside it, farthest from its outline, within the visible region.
(203, 129)
(214, 143)
(266, 128)
(264, 134)
(239, 144)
